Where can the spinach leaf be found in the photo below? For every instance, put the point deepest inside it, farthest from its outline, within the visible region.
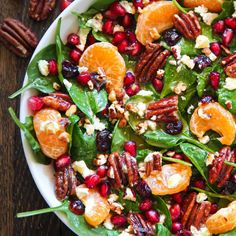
(101, 37)
(130, 206)
(83, 146)
(70, 128)
(162, 230)
(149, 87)
(28, 131)
(227, 10)
(130, 63)
(102, 4)
(188, 47)
(231, 233)
(76, 222)
(225, 95)
(185, 99)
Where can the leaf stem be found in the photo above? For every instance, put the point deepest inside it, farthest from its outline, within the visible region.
(16, 120)
(230, 163)
(200, 145)
(18, 92)
(176, 160)
(184, 10)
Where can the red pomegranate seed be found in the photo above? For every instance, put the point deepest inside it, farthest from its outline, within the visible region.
(127, 20)
(219, 27)
(92, 181)
(145, 205)
(227, 37)
(138, 3)
(52, 67)
(132, 90)
(131, 36)
(130, 147)
(129, 79)
(230, 23)
(83, 78)
(110, 15)
(175, 212)
(215, 48)
(117, 9)
(214, 80)
(91, 40)
(118, 220)
(119, 36)
(214, 208)
(102, 171)
(177, 197)
(199, 183)
(104, 189)
(107, 27)
(176, 227)
(35, 103)
(105, 111)
(64, 4)
(73, 39)
(75, 55)
(135, 49)
(122, 47)
(178, 156)
(77, 207)
(152, 216)
(157, 84)
(62, 162)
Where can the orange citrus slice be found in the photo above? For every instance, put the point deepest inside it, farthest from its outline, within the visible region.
(154, 19)
(52, 137)
(223, 220)
(212, 5)
(96, 207)
(105, 56)
(213, 116)
(173, 178)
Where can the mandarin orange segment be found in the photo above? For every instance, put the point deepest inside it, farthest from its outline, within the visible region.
(50, 133)
(96, 207)
(223, 220)
(154, 19)
(213, 116)
(212, 5)
(104, 55)
(172, 178)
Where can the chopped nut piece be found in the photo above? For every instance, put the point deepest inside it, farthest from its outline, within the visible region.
(71, 111)
(229, 63)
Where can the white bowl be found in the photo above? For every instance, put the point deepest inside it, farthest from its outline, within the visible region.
(43, 174)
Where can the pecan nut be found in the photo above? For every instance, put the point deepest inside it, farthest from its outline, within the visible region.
(40, 9)
(220, 172)
(153, 162)
(56, 102)
(15, 36)
(139, 225)
(151, 60)
(187, 24)
(163, 110)
(229, 63)
(66, 183)
(125, 169)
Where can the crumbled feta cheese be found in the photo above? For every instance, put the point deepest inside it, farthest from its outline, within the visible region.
(202, 41)
(151, 124)
(101, 159)
(81, 167)
(180, 87)
(112, 198)
(98, 125)
(210, 158)
(123, 233)
(117, 207)
(201, 10)
(141, 127)
(141, 107)
(50, 127)
(209, 17)
(56, 86)
(203, 231)
(176, 51)
(118, 28)
(67, 84)
(212, 56)
(129, 195)
(81, 191)
(154, 33)
(83, 34)
(162, 219)
(43, 67)
(128, 6)
(173, 62)
(145, 93)
(107, 223)
(95, 22)
(89, 129)
(190, 109)
(201, 197)
(183, 98)
(82, 69)
(186, 60)
(203, 115)
(234, 14)
(160, 73)
(230, 83)
(204, 139)
(174, 180)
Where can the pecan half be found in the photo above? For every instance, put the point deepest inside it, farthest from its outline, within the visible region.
(40, 9)
(219, 172)
(187, 24)
(152, 59)
(139, 225)
(153, 162)
(163, 110)
(125, 169)
(66, 183)
(229, 63)
(56, 102)
(15, 36)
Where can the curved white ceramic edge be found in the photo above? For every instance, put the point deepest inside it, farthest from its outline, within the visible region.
(44, 175)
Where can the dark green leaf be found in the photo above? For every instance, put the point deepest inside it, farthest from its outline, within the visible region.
(225, 95)
(186, 99)
(171, 159)
(101, 37)
(102, 4)
(141, 154)
(130, 63)
(130, 206)
(227, 10)
(70, 128)
(162, 230)
(188, 47)
(231, 233)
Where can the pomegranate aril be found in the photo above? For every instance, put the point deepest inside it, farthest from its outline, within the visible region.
(127, 21)
(105, 111)
(214, 80)
(75, 55)
(122, 47)
(117, 9)
(119, 36)
(145, 205)
(62, 162)
(157, 84)
(92, 181)
(129, 79)
(110, 15)
(177, 197)
(199, 183)
(178, 156)
(52, 67)
(175, 212)
(130, 147)
(102, 171)
(35, 103)
(73, 39)
(77, 207)
(91, 40)
(219, 27)
(227, 37)
(83, 78)
(118, 220)
(214, 208)
(135, 49)
(230, 23)
(104, 189)
(233, 179)
(138, 3)
(184, 232)
(107, 27)
(152, 216)
(176, 227)
(132, 90)
(131, 36)
(215, 48)
(64, 4)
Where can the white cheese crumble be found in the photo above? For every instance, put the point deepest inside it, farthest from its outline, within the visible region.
(112, 198)
(162, 219)
(190, 109)
(82, 69)
(179, 88)
(98, 125)
(203, 115)
(118, 28)
(81, 191)
(230, 83)
(89, 129)
(81, 167)
(141, 107)
(201, 197)
(209, 17)
(186, 60)
(50, 127)
(43, 67)
(174, 180)
(202, 41)
(67, 84)
(145, 93)
(95, 22)
(176, 51)
(128, 6)
(203, 231)
(201, 10)
(210, 158)
(234, 14)
(107, 223)
(83, 34)
(129, 195)
(204, 139)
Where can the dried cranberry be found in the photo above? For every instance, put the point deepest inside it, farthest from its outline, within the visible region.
(69, 70)
(177, 197)
(152, 216)
(134, 49)
(133, 89)
(176, 227)
(35, 103)
(138, 3)
(214, 78)
(75, 55)
(104, 189)
(127, 20)
(129, 79)
(145, 205)
(62, 162)
(171, 37)
(174, 128)
(206, 99)
(103, 141)
(219, 27)
(92, 181)
(77, 207)
(227, 37)
(215, 48)
(52, 67)
(73, 39)
(118, 220)
(230, 23)
(130, 147)
(214, 208)
(201, 62)
(64, 4)
(157, 84)
(102, 171)
(117, 9)
(107, 27)
(175, 212)
(143, 189)
(119, 36)
(122, 47)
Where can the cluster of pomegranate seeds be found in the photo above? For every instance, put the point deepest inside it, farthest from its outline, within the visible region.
(131, 148)
(35, 103)
(77, 207)
(157, 84)
(83, 78)
(131, 88)
(214, 78)
(152, 216)
(52, 67)
(62, 162)
(118, 220)
(92, 181)
(104, 189)
(145, 205)
(64, 4)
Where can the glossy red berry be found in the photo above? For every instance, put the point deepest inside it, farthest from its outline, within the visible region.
(75, 55)
(199, 183)
(52, 67)
(64, 4)
(83, 78)
(214, 208)
(62, 162)
(133, 89)
(73, 39)
(118, 220)
(122, 47)
(107, 27)
(77, 207)
(104, 189)
(152, 216)
(219, 27)
(145, 205)
(157, 84)
(175, 212)
(102, 171)
(176, 227)
(117, 9)
(131, 36)
(214, 80)
(91, 40)
(177, 197)
(230, 23)
(178, 156)
(227, 37)
(119, 36)
(105, 111)
(215, 48)
(110, 15)
(138, 3)
(127, 21)
(131, 148)
(135, 49)
(129, 79)
(35, 103)
(92, 181)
